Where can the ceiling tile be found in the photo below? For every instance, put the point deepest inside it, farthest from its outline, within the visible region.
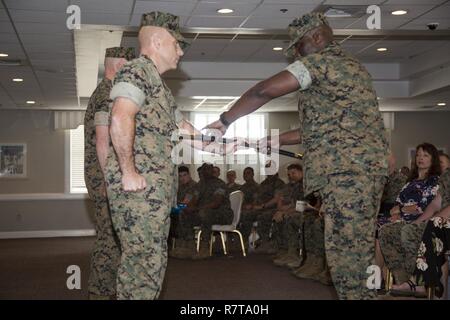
(209, 8)
(273, 10)
(179, 8)
(3, 15)
(263, 22)
(38, 16)
(47, 5)
(34, 28)
(102, 6)
(105, 19)
(215, 22)
(6, 27)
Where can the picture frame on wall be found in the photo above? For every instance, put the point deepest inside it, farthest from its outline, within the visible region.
(13, 160)
(412, 154)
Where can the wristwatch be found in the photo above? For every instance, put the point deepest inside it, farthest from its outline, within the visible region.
(223, 120)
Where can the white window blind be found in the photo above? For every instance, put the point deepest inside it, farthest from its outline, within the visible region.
(77, 184)
(252, 127)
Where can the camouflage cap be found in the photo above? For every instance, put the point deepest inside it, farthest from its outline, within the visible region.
(120, 52)
(165, 20)
(300, 26)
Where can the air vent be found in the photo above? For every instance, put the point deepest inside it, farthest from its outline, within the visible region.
(10, 63)
(427, 107)
(342, 11)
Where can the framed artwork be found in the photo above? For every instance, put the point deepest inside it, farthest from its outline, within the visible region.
(13, 160)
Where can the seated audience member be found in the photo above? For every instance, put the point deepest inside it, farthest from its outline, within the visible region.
(210, 205)
(231, 181)
(405, 171)
(287, 199)
(249, 188)
(400, 239)
(392, 188)
(311, 234)
(431, 255)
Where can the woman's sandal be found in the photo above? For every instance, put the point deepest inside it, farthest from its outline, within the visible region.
(412, 292)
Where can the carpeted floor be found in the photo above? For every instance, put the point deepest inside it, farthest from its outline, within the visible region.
(36, 269)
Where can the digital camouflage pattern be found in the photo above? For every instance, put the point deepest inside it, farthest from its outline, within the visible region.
(342, 128)
(300, 26)
(291, 193)
(399, 242)
(394, 185)
(444, 188)
(165, 20)
(207, 189)
(345, 159)
(120, 52)
(250, 190)
(268, 188)
(106, 253)
(141, 219)
(350, 203)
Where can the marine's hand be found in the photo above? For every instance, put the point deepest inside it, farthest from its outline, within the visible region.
(133, 182)
(217, 125)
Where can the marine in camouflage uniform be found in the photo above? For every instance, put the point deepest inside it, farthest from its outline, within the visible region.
(106, 253)
(269, 189)
(141, 218)
(396, 181)
(208, 190)
(345, 144)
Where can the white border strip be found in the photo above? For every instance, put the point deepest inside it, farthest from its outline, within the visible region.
(47, 234)
(42, 196)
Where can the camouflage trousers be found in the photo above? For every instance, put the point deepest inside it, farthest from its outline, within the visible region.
(141, 221)
(106, 253)
(186, 224)
(265, 225)
(248, 217)
(350, 203)
(209, 217)
(399, 242)
(306, 231)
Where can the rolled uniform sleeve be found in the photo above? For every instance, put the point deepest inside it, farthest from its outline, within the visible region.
(220, 192)
(301, 73)
(131, 83)
(101, 118)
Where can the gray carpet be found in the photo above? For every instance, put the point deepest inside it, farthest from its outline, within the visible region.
(36, 269)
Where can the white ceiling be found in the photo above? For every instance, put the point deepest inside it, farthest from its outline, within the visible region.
(60, 67)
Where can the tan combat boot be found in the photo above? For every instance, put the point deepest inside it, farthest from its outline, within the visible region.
(325, 277)
(317, 265)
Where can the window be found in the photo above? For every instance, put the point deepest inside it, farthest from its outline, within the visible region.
(252, 127)
(77, 184)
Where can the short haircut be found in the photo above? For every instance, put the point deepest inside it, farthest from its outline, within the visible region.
(442, 154)
(183, 169)
(295, 166)
(251, 169)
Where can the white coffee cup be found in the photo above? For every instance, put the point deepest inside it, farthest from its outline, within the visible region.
(300, 206)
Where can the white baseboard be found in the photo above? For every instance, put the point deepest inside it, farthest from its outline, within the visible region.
(47, 234)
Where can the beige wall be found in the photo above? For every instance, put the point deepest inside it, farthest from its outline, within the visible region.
(45, 151)
(413, 128)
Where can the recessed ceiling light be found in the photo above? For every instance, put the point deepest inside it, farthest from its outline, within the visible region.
(17, 79)
(31, 102)
(277, 48)
(3, 54)
(225, 11)
(442, 104)
(381, 49)
(399, 12)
